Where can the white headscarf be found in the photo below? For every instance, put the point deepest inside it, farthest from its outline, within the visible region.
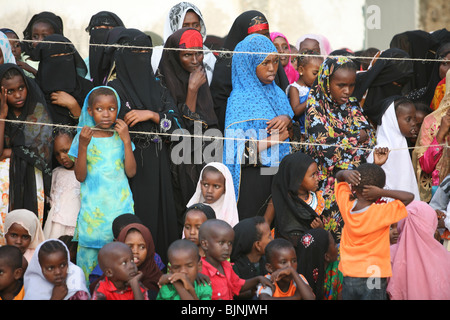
(174, 22)
(28, 220)
(38, 288)
(225, 208)
(324, 45)
(398, 168)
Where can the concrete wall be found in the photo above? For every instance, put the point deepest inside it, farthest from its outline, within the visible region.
(342, 22)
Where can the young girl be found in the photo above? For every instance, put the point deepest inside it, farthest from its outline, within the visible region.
(51, 276)
(398, 123)
(297, 200)
(317, 256)
(28, 145)
(258, 119)
(23, 230)
(215, 188)
(298, 91)
(65, 191)
(251, 237)
(195, 215)
(338, 134)
(140, 240)
(104, 161)
(6, 53)
(282, 44)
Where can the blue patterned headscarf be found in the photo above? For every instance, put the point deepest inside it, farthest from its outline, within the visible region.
(5, 48)
(250, 105)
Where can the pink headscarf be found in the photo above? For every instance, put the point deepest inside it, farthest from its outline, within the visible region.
(291, 73)
(420, 264)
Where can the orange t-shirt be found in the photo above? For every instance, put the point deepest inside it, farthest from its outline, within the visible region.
(365, 246)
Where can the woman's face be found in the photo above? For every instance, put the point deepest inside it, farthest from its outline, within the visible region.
(342, 84)
(444, 66)
(191, 60)
(406, 118)
(192, 20)
(282, 47)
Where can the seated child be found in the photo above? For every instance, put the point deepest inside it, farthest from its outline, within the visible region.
(216, 238)
(11, 271)
(23, 230)
(365, 235)
(180, 283)
(65, 189)
(122, 278)
(317, 258)
(140, 240)
(215, 188)
(195, 215)
(282, 266)
(51, 276)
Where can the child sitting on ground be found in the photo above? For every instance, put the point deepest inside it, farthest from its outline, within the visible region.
(194, 217)
(216, 238)
(180, 283)
(122, 278)
(365, 236)
(51, 276)
(11, 284)
(282, 266)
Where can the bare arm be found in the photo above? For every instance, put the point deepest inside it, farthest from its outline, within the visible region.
(130, 161)
(372, 193)
(81, 161)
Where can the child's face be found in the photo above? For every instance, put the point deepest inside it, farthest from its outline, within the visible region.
(282, 47)
(310, 180)
(18, 236)
(54, 266)
(393, 233)
(104, 111)
(309, 72)
(266, 236)
(218, 244)
(191, 60)
(406, 118)
(15, 45)
(194, 220)
(121, 267)
(267, 70)
(39, 31)
(16, 92)
(342, 84)
(310, 44)
(61, 147)
(8, 276)
(136, 242)
(185, 261)
(212, 186)
(283, 258)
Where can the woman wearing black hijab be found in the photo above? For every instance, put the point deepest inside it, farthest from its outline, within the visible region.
(197, 114)
(148, 109)
(249, 22)
(385, 78)
(98, 28)
(61, 77)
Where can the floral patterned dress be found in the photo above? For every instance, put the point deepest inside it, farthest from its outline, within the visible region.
(332, 134)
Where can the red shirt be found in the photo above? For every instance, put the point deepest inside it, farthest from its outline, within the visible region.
(106, 290)
(224, 286)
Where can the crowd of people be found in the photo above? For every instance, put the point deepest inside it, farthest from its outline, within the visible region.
(328, 176)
